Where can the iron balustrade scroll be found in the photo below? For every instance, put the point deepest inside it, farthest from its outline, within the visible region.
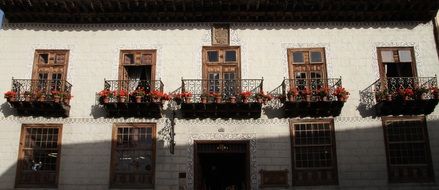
(314, 86)
(131, 85)
(34, 89)
(226, 88)
(393, 86)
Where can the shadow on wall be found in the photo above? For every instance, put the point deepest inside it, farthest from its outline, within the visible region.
(359, 152)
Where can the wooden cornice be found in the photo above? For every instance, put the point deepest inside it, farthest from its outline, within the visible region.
(137, 11)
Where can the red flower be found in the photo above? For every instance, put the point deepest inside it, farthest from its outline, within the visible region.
(245, 94)
(10, 94)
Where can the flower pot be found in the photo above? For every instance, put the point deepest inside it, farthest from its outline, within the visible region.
(106, 100)
(156, 99)
(389, 97)
(27, 98)
(259, 100)
(218, 99)
(341, 98)
(233, 100)
(292, 98)
(11, 99)
(324, 98)
(122, 98)
(67, 101)
(245, 100)
(56, 99)
(138, 99)
(308, 98)
(42, 98)
(204, 100)
(187, 99)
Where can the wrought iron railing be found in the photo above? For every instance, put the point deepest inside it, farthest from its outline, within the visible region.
(317, 88)
(29, 89)
(398, 86)
(225, 88)
(129, 86)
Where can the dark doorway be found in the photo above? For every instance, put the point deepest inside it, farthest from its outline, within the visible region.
(222, 165)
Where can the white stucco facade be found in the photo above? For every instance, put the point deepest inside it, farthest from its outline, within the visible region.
(351, 52)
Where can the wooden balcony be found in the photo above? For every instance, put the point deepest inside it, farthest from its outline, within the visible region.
(133, 104)
(401, 96)
(219, 101)
(310, 97)
(47, 98)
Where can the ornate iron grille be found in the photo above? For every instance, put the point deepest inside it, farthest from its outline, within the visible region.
(38, 88)
(315, 86)
(226, 88)
(393, 85)
(131, 85)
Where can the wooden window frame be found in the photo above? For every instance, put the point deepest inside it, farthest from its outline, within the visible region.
(291, 64)
(137, 63)
(381, 63)
(21, 155)
(37, 65)
(153, 126)
(426, 139)
(334, 167)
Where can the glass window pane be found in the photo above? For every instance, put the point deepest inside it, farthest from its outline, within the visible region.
(43, 58)
(405, 56)
(298, 57)
(316, 57)
(300, 75)
(387, 56)
(129, 59)
(212, 56)
(230, 56)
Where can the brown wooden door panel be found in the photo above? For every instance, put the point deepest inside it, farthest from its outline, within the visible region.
(49, 70)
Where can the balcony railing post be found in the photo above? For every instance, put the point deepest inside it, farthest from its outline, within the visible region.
(261, 85)
(284, 87)
(182, 85)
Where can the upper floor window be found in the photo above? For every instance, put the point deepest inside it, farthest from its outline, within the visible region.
(397, 62)
(408, 149)
(39, 156)
(313, 152)
(307, 68)
(133, 155)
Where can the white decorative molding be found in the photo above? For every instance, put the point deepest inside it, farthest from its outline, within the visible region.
(235, 40)
(374, 58)
(81, 120)
(251, 137)
(268, 122)
(328, 53)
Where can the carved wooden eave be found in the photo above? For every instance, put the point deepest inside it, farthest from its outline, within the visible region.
(136, 11)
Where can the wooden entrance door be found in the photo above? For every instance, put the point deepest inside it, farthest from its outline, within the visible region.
(49, 70)
(222, 69)
(307, 66)
(221, 165)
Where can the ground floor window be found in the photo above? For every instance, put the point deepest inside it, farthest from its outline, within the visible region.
(132, 156)
(313, 152)
(39, 155)
(407, 149)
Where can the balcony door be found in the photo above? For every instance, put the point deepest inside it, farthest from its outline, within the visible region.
(222, 69)
(49, 70)
(137, 69)
(397, 67)
(307, 66)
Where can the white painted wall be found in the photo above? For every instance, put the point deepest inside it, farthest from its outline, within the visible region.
(94, 50)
